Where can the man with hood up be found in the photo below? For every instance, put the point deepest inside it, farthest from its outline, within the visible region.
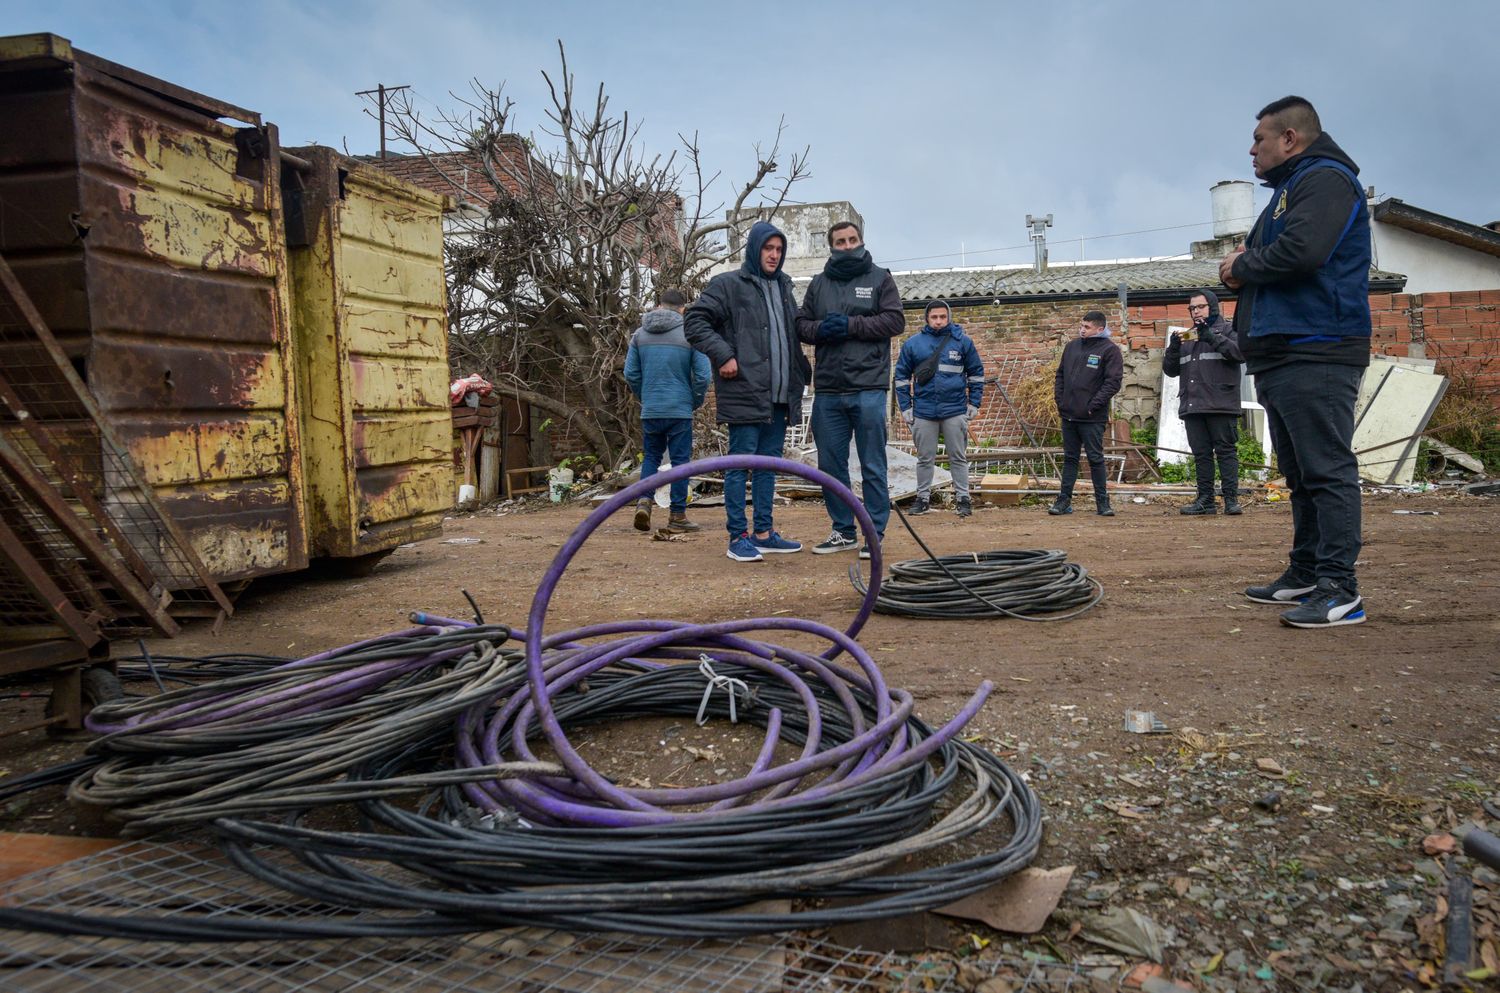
(671, 381)
(1088, 375)
(1303, 323)
(851, 312)
(745, 322)
(939, 386)
(1208, 401)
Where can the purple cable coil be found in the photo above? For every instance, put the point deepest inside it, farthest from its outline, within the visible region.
(589, 799)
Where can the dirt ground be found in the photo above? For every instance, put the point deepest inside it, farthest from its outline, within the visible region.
(1382, 733)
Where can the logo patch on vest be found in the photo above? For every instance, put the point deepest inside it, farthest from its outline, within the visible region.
(1280, 205)
(1093, 362)
(864, 292)
(953, 355)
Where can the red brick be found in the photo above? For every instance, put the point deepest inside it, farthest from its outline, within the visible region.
(1436, 299)
(1401, 300)
(1489, 296)
(1465, 296)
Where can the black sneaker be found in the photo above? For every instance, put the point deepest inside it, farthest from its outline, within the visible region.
(1060, 506)
(835, 542)
(864, 552)
(1287, 588)
(1330, 605)
(643, 515)
(919, 506)
(965, 507)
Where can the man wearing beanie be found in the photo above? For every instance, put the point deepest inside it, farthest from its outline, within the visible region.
(745, 322)
(851, 312)
(939, 385)
(1209, 401)
(1088, 374)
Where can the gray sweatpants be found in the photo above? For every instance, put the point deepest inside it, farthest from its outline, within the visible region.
(924, 436)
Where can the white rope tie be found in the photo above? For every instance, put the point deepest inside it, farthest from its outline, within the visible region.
(728, 684)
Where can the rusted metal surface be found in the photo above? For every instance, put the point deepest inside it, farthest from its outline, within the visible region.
(370, 311)
(150, 234)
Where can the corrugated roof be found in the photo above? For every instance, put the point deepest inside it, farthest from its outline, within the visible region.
(1075, 279)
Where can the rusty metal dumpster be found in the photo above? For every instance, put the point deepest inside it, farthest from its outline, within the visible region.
(145, 222)
(370, 318)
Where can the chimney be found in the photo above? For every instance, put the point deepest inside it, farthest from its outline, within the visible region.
(1233, 203)
(1039, 226)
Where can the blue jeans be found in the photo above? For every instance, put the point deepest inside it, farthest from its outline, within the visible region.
(1310, 411)
(837, 418)
(673, 435)
(753, 439)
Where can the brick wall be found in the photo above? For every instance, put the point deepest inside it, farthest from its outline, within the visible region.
(1460, 330)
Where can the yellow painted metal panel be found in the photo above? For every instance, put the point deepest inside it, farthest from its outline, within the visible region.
(400, 438)
(210, 452)
(396, 334)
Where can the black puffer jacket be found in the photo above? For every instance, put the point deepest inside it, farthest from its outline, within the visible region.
(1209, 366)
(1089, 373)
(729, 320)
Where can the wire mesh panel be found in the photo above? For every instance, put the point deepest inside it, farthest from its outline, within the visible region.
(63, 465)
(139, 880)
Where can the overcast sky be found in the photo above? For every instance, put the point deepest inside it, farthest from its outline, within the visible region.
(944, 123)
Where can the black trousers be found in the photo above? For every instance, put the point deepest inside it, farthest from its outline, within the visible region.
(1310, 410)
(1089, 436)
(1213, 437)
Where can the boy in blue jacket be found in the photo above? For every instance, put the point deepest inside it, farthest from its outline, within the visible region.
(671, 381)
(939, 386)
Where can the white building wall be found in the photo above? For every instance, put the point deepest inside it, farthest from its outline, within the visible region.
(1430, 264)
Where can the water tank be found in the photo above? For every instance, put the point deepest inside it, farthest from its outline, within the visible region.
(1234, 207)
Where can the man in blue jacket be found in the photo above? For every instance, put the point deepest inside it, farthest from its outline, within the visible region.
(939, 386)
(671, 381)
(745, 322)
(1088, 375)
(1303, 322)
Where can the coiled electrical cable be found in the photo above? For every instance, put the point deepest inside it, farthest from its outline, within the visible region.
(1016, 583)
(511, 825)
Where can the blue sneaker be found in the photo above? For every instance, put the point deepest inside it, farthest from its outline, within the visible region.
(741, 549)
(775, 543)
(1330, 605)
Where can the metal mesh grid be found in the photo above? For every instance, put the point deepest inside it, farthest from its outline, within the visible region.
(48, 418)
(191, 878)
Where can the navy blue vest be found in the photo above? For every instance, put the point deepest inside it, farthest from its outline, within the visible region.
(1334, 301)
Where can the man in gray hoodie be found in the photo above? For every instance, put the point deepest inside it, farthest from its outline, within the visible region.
(671, 381)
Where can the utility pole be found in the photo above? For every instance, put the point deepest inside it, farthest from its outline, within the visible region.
(1039, 226)
(381, 90)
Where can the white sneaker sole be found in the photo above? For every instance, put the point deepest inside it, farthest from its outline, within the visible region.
(820, 550)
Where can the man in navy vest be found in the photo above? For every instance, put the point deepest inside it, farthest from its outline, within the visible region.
(851, 312)
(1303, 323)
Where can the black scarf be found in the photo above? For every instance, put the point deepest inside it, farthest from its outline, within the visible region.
(844, 266)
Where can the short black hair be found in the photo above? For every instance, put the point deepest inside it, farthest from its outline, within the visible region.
(1296, 113)
(841, 225)
(671, 298)
(1095, 317)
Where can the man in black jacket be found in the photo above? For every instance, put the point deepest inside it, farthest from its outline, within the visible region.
(851, 312)
(745, 322)
(1088, 374)
(1303, 323)
(1208, 401)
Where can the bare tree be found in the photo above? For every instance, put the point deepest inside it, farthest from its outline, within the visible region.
(563, 239)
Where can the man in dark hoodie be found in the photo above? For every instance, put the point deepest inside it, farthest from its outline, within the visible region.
(1208, 401)
(745, 322)
(1088, 375)
(1303, 322)
(851, 312)
(671, 380)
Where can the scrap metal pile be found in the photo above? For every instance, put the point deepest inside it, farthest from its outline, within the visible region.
(475, 810)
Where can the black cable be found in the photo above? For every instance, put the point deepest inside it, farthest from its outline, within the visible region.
(1008, 583)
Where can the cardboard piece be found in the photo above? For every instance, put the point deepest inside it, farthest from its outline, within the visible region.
(1020, 904)
(995, 489)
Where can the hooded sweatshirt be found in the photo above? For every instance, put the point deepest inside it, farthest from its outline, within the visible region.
(747, 315)
(662, 369)
(1306, 267)
(1209, 365)
(1088, 375)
